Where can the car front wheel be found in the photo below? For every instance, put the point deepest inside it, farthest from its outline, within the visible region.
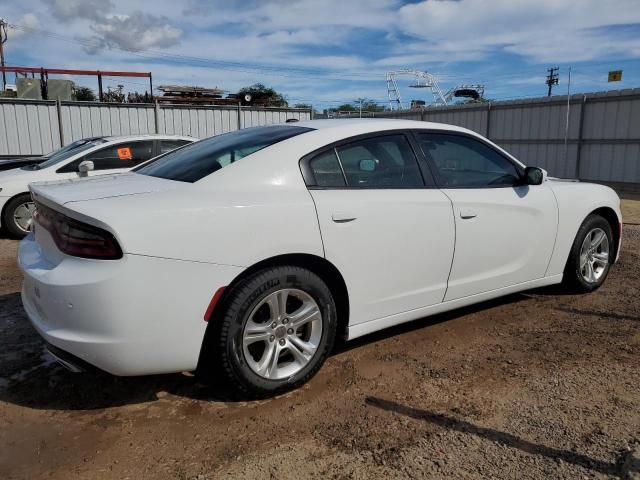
(18, 215)
(591, 255)
(276, 331)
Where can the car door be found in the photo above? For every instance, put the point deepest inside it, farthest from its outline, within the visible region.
(114, 158)
(505, 230)
(389, 233)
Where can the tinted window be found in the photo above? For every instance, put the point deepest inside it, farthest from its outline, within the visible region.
(326, 170)
(381, 162)
(121, 155)
(168, 145)
(465, 162)
(196, 161)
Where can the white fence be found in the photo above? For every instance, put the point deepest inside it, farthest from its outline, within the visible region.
(31, 127)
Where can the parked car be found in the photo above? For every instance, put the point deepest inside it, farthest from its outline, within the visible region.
(250, 251)
(106, 154)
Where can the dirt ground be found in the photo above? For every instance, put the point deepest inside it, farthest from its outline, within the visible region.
(630, 207)
(535, 385)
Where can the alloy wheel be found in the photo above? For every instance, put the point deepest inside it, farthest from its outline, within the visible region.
(594, 255)
(23, 216)
(282, 334)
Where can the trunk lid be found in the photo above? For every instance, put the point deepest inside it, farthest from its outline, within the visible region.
(62, 192)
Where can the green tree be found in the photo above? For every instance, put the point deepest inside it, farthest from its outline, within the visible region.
(368, 105)
(259, 94)
(84, 94)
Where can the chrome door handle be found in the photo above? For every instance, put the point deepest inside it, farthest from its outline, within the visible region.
(341, 217)
(466, 213)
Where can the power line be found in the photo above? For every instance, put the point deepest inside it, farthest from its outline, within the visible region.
(244, 67)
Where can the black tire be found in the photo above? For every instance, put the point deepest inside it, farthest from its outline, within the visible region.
(573, 278)
(226, 340)
(8, 220)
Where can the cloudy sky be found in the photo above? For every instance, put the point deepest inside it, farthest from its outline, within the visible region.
(327, 52)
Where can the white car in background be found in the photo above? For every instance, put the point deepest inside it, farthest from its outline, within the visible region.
(250, 251)
(106, 154)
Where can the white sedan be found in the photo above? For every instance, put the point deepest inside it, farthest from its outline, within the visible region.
(102, 155)
(249, 252)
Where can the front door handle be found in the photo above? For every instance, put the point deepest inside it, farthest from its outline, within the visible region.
(343, 217)
(465, 213)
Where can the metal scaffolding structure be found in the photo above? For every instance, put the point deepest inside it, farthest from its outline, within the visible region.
(421, 80)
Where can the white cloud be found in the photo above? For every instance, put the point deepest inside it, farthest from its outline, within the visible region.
(69, 10)
(540, 31)
(330, 49)
(29, 21)
(134, 32)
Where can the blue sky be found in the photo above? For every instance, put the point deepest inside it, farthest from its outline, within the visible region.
(328, 52)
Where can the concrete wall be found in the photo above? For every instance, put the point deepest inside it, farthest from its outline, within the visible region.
(29, 127)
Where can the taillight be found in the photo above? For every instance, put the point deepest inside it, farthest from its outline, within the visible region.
(77, 238)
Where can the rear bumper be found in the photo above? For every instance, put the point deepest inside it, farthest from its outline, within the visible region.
(134, 316)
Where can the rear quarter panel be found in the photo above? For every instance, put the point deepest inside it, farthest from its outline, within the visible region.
(576, 200)
(204, 225)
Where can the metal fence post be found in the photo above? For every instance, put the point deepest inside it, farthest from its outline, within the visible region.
(60, 127)
(239, 116)
(422, 114)
(580, 128)
(156, 115)
(488, 122)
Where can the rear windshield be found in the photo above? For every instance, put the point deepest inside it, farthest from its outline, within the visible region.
(196, 161)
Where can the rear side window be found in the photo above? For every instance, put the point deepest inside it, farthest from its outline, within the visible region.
(380, 162)
(168, 145)
(121, 155)
(326, 170)
(200, 159)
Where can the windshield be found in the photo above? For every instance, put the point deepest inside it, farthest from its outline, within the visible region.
(66, 152)
(196, 161)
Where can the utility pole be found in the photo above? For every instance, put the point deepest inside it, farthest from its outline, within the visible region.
(552, 79)
(3, 39)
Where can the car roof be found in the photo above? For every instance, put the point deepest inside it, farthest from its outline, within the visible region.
(375, 124)
(142, 136)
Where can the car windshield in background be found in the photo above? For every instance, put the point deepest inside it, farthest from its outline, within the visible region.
(67, 152)
(196, 161)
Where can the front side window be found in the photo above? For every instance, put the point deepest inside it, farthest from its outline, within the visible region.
(200, 159)
(464, 162)
(119, 156)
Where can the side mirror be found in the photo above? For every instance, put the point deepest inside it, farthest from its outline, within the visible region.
(534, 175)
(84, 168)
(367, 165)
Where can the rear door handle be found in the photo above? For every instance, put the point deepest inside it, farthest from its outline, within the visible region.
(465, 213)
(342, 217)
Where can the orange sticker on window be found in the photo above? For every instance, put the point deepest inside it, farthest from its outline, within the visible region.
(124, 153)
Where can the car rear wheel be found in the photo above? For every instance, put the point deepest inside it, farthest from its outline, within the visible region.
(591, 255)
(277, 329)
(18, 215)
